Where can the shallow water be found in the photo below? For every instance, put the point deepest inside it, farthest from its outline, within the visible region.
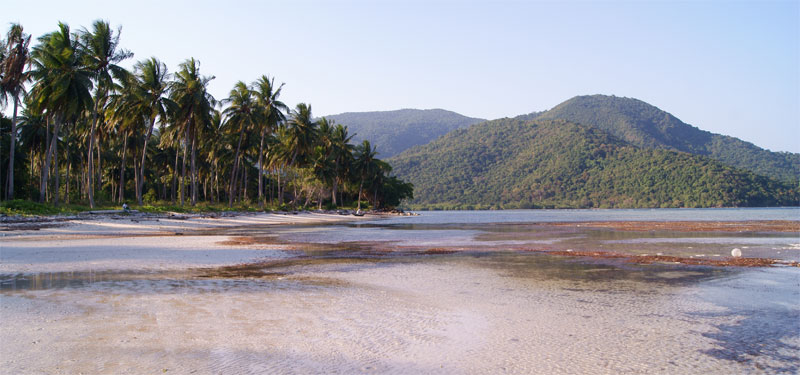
(340, 304)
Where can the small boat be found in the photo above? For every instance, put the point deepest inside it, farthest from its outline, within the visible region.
(358, 213)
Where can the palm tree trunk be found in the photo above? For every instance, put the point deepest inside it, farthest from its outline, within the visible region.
(175, 174)
(66, 178)
(183, 162)
(194, 167)
(10, 189)
(56, 172)
(48, 161)
(122, 173)
(90, 149)
(99, 170)
(235, 167)
(280, 189)
(261, 169)
(140, 185)
(244, 183)
(360, 187)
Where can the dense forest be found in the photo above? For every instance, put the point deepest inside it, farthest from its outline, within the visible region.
(392, 132)
(85, 129)
(644, 125)
(511, 163)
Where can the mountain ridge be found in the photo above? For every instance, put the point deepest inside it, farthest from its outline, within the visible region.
(392, 132)
(645, 125)
(511, 163)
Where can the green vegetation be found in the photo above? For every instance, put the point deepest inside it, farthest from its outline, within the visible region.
(392, 132)
(510, 163)
(85, 130)
(644, 125)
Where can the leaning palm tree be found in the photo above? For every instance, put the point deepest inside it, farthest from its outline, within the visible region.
(62, 87)
(270, 117)
(13, 75)
(242, 114)
(101, 54)
(189, 91)
(151, 92)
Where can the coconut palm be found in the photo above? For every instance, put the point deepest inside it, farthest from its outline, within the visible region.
(365, 165)
(152, 78)
(63, 84)
(101, 54)
(189, 91)
(342, 152)
(13, 75)
(242, 114)
(270, 117)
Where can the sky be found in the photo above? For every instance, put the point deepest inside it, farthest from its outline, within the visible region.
(729, 67)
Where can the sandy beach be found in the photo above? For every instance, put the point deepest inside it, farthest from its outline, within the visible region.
(121, 296)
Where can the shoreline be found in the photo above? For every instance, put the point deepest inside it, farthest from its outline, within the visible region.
(153, 242)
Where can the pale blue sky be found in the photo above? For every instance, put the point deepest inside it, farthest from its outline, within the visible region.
(727, 67)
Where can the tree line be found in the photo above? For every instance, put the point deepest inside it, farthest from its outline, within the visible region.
(84, 128)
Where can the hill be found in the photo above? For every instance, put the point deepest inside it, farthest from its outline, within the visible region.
(392, 132)
(647, 126)
(512, 163)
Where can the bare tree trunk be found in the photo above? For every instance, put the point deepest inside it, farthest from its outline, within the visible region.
(10, 181)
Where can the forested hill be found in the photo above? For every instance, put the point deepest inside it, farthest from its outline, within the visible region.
(392, 132)
(644, 125)
(512, 163)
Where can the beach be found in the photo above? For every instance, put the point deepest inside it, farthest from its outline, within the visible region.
(118, 296)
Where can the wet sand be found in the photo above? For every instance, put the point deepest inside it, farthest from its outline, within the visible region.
(175, 304)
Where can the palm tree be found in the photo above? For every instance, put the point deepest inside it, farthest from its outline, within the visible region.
(152, 98)
(62, 85)
(342, 152)
(101, 54)
(271, 116)
(194, 104)
(300, 138)
(365, 165)
(242, 114)
(12, 80)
